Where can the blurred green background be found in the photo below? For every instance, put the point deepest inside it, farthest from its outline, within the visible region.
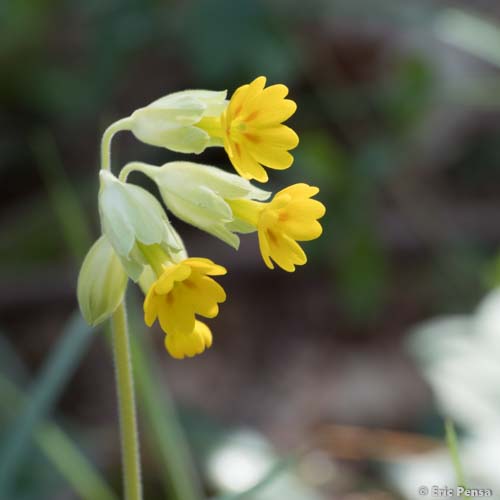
(398, 118)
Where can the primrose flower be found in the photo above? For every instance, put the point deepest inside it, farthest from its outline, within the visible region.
(198, 194)
(289, 217)
(170, 121)
(132, 219)
(249, 126)
(180, 292)
(252, 129)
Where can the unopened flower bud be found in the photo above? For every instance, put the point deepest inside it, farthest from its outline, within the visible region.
(101, 283)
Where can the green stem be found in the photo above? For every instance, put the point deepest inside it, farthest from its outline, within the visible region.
(126, 405)
(136, 166)
(452, 442)
(107, 137)
(169, 438)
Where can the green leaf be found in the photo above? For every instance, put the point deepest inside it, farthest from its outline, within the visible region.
(44, 393)
(60, 450)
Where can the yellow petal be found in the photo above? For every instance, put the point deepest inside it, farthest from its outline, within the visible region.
(277, 91)
(205, 266)
(211, 288)
(294, 249)
(272, 157)
(305, 209)
(151, 304)
(302, 230)
(235, 105)
(173, 347)
(300, 190)
(179, 346)
(282, 249)
(266, 103)
(165, 282)
(192, 295)
(270, 114)
(175, 315)
(287, 253)
(255, 88)
(205, 333)
(279, 136)
(246, 166)
(264, 249)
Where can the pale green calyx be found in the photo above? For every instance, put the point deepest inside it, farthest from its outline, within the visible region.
(101, 283)
(147, 278)
(197, 194)
(170, 121)
(130, 216)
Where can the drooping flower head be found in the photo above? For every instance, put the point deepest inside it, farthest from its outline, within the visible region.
(180, 292)
(289, 217)
(252, 129)
(138, 239)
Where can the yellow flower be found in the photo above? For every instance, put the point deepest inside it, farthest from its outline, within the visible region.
(180, 346)
(252, 129)
(181, 292)
(291, 216)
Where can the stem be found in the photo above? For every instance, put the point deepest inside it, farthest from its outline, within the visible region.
(171, 444)
(452, 442)
(126, 404)
(135, 166)
(107, 137)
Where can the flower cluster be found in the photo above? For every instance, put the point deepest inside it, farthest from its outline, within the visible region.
(140, 243)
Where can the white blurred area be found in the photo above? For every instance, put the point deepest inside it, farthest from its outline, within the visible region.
(245, 459)
(460, 358)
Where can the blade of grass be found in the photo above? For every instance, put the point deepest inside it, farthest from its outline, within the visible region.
(452, 442)
(63, 197)
(60, 450)
(44, 392)
(170, 442)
